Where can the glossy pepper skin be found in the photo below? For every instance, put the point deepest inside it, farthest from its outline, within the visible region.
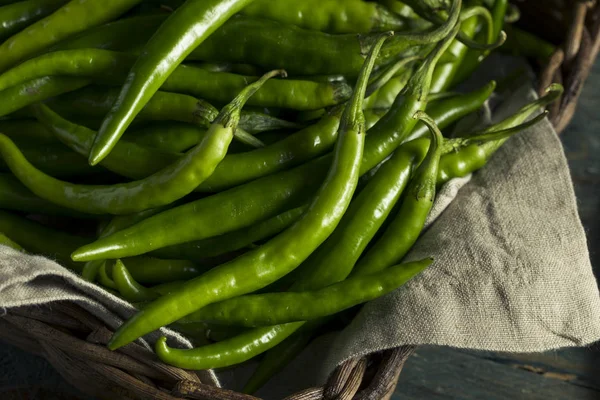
(255, 201)
(120, 35)
(56, 160)
(136, 161)
(214, 215)
(17, 16)
(75, 16)
(282, 308)
(184, 30)
(264, 43)
(472, 59)
(17, 97)
(264, 265)
(169, 136)
(334, 260)
(473, 156)
(225, 353)
(406, 227)
(145, 78)
(332, 16)
(391, 130)
(129, 159)
(163, 187)
(300, 53)
(113, 67)
(166, 106)
(468, 158)
(15, 196)
(129, 289)
(229, 242)
(444, 73)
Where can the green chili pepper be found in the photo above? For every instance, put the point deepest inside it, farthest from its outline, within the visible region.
(444, 73)
(460, 163)
(26, 131)
(17, 97)
(164, 187)
(128, 159)
(184, 30)
(473, 58)
(149, 270)
(391, 130)
(472, 157)
(120, 35)
(264, 265)
(333, 16)
(295, 149)
(406, 227)
(431, 13)
(167, 136)
(291, 94)
(233, 241)
(112, 67)
(92, 102)
(120, 222)
(139, 90)
(73, 17)
(259, 39)
(223, 212)
(304, 52)
(334, 260)
(19, 15)
(135, 161)
(15, 196)
(222, 354)
(91, 269)
(281, 308)
(103, 278)
(447, 109)
(248, 204)
(202, 333)
(129, 289)
(57, 160)
(167, 288)
(38, 239)
(134, 292)
(6, 241)
(384, 97)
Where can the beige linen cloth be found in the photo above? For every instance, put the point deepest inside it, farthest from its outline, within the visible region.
(511, 272)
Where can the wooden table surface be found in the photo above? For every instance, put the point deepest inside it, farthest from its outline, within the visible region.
(442, 373)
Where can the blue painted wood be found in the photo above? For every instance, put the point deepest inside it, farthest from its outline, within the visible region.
(444, 373)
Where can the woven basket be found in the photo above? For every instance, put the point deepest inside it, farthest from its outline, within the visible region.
(73, 341)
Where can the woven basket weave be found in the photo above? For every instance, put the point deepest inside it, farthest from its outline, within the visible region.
(73, 341)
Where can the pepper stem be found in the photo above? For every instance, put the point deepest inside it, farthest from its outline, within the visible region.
(230, 114)
(353, 117)
(408, 41)
(421, 80)
(503, 133)
(436, 135)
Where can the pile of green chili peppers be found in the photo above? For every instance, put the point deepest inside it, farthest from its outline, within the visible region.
(242, 171)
